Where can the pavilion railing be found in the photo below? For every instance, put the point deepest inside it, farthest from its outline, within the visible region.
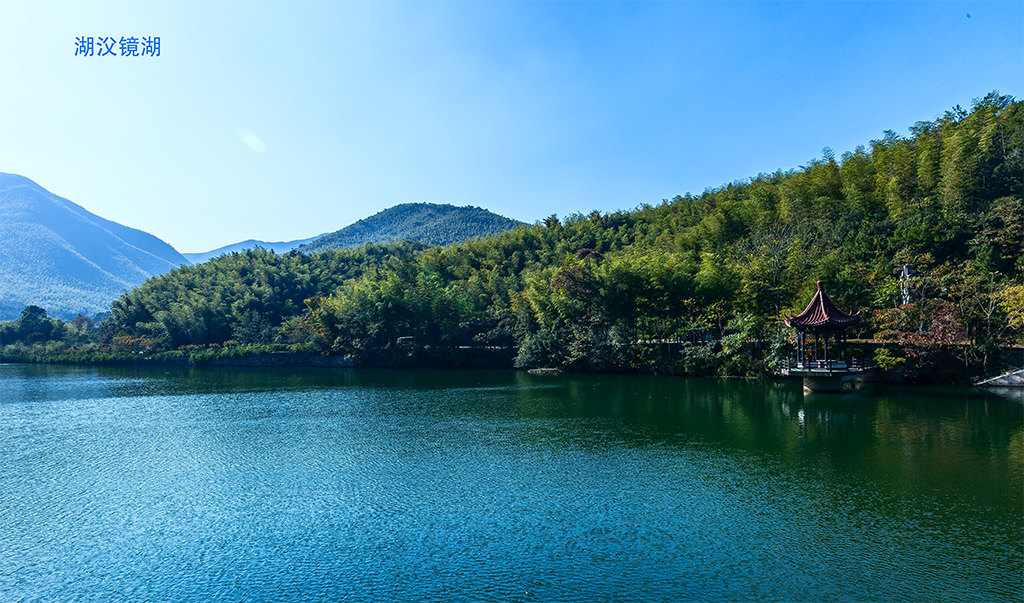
(849, 364)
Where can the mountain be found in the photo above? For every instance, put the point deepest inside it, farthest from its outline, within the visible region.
(57, 255)
(278, 247)
(421, 222)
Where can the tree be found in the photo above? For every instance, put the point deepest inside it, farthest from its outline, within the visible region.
(34, 324)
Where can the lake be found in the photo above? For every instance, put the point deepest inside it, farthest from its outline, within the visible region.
(243, 485)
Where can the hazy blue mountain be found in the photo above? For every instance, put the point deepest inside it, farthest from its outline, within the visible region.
(422, 222)
(278, 247)
(57, 255)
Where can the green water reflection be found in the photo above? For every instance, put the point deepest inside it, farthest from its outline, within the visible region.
(567, 487)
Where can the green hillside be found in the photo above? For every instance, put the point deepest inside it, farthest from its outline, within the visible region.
(254, 296)
(428, 223)
(586, 292)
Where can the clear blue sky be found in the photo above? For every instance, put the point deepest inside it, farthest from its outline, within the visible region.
(280, 120)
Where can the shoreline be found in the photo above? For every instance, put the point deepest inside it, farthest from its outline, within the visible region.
(253, 360)
(259, 356)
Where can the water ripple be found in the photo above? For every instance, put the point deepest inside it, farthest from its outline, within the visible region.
(494, 487)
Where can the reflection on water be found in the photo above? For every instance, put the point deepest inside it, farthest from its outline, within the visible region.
(331, 484)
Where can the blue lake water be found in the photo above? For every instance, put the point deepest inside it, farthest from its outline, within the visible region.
(234, 485)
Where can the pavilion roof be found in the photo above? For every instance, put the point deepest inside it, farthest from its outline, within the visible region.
(820, 312)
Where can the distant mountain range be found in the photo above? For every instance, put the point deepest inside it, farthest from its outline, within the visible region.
(57, 255)
(428, 223)
(278, 247)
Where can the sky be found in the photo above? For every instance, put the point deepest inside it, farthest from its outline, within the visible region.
(283, 120)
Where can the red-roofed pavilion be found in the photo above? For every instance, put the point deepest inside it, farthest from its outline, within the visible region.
(827, 323)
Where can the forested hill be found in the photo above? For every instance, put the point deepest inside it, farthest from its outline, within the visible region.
(428, 223)
(55, 254)
(947, 200)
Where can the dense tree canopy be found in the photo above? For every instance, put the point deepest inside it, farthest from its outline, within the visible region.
(248, 296)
